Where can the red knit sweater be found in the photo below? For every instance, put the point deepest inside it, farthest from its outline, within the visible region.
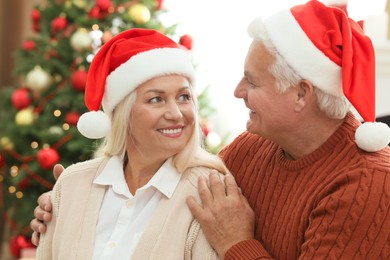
(331, 204)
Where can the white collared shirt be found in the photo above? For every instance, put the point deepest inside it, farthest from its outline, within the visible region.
(124, 217)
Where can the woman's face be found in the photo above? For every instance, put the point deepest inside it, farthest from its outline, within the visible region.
(163, 116)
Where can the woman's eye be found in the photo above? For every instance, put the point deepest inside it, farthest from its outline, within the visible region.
(155, 100)
(185, 97)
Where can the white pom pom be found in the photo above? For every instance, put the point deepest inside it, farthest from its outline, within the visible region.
(94, 124)
(372, 137)
(255, 27)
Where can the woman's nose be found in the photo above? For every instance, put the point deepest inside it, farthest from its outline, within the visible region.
(173, 111)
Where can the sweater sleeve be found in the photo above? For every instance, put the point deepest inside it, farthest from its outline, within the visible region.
(45, 248)
(247, 250)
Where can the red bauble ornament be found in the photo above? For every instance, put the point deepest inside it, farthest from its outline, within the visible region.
(206, 129)
(186, 41)
(160, 4)
(104, 5)
(72, 118)
(19, 242)
(36, 27)
(29, 45)
(95, 13)
(2, 160)
(35, 15)
(21, 98)
(47, 158)
(79, 79)
(58, 24)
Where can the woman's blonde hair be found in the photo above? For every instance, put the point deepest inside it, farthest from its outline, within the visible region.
(192, 155)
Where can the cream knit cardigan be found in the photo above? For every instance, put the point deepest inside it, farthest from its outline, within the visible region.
(172, 233)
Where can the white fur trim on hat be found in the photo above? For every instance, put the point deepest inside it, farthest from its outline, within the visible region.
(372, 137)
(143, 67)
(323, 72)
(94, 124)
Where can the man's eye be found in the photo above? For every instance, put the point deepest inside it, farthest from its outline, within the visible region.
(251, 84)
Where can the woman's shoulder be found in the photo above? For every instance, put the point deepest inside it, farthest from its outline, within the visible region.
(86, 168)
(194, 173)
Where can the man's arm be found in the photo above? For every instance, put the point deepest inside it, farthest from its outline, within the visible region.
(42, 212)
(225, 217)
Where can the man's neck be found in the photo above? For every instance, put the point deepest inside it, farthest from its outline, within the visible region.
(309, 137)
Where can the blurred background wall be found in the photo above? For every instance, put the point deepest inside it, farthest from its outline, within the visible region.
(14, 28)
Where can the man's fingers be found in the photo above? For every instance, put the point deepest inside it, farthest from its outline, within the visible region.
(44, 201)
(217, 186)
(194, 207)
(37, 226)
(34, 225)
(204, 191)
(57, 170)
(35, 238)
(41, 215)
(231, 186)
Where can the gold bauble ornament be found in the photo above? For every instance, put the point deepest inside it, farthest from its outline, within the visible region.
(81, 40)
(6, 143)
(24, 117)
(38, 79)
(68, 4)
(80, 3)
(139, 13)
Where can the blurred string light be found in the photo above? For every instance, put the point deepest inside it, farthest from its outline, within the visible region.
(34, 145)
(14, 171)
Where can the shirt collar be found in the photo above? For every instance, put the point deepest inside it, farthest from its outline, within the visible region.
(165, 179)
(112, 175)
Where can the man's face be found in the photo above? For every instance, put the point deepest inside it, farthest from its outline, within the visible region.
(271, 113)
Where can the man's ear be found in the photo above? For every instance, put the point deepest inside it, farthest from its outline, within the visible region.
(304, 94)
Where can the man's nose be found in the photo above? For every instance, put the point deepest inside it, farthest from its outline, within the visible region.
(240, 90)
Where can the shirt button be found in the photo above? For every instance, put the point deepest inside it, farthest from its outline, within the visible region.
(112, 244)
(129, 203)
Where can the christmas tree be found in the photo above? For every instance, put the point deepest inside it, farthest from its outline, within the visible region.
(39, 114)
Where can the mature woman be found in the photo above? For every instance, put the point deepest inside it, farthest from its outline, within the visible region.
(129, 202)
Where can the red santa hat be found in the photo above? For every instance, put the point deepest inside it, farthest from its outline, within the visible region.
(326, 47)
(120, 66)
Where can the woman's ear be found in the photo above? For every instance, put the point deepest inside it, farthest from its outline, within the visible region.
(304, 94)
